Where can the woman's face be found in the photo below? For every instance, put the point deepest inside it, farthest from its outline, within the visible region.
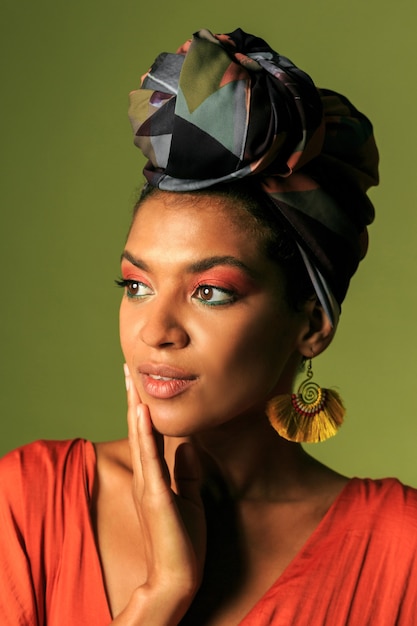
(205, 327)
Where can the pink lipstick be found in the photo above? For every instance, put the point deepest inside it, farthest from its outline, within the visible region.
(164, 381)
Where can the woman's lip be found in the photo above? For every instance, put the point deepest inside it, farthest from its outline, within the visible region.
(164, 381)
(164, 371)
(165, 388)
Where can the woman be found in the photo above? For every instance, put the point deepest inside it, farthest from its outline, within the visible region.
(238, 258)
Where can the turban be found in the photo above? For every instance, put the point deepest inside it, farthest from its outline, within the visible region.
(226, 107)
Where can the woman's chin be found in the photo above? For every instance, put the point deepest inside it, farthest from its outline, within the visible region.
(171, 424)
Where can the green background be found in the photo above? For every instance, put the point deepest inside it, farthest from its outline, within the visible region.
(69, 175)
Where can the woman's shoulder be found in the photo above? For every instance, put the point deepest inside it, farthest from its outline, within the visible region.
(42, 455)
(46, 492)
(36, 472)
(113, 468)
(380, 490)
(115, 454)
(387, 502)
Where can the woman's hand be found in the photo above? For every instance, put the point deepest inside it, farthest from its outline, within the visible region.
(172, 522)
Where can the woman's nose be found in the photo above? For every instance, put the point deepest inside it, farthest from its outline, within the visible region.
(163, 325)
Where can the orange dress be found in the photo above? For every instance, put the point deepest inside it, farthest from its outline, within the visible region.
(359, 567)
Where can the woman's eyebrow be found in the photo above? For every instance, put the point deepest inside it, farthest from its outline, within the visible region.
(197, 266)
(213, 261)
(134, 261)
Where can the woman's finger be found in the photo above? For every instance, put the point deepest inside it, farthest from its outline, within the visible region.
(154, 471)
(172, 526)
(133, 402)
(147, 448)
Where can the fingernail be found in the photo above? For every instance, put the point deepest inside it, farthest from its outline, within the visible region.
(127, 376)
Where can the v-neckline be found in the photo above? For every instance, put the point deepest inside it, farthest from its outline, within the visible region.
(306, 551)
(288, 571)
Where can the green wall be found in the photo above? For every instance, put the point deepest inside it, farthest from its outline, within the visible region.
(69, 176)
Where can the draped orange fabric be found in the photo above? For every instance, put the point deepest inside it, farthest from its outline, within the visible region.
(50, 572)
(359, 568)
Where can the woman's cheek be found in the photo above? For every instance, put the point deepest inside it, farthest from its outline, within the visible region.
(125, 332)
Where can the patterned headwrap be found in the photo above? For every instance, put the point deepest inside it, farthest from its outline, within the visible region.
(225, 107)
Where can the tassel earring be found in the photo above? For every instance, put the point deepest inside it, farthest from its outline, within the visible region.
(311, 415)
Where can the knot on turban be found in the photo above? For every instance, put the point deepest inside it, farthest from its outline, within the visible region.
(226, 107)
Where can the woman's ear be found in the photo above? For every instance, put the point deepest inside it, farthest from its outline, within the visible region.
(320, 330)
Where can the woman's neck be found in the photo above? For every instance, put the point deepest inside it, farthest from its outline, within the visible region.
(253, 461)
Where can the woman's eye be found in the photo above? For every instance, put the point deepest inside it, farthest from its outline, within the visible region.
(214, 295)
(134, 288)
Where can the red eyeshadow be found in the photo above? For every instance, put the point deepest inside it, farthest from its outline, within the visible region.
(229, 278)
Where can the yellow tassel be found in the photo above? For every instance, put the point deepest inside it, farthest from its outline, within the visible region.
(311, 415)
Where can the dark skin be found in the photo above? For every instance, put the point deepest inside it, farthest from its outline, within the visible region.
(165, 553)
